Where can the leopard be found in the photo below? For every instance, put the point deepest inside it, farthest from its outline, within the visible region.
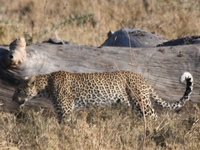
(68, 91)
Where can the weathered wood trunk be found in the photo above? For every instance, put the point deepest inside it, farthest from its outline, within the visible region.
(162, 66)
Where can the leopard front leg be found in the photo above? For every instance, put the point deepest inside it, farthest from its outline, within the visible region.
(63, 106)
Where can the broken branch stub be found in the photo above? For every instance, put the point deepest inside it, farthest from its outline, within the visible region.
(17, 54)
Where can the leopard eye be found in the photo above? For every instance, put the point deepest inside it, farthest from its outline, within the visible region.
(19, 90)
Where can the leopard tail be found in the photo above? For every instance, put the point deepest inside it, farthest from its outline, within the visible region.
(186, 76)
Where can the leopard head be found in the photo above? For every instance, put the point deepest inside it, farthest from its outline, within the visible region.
(25, 91)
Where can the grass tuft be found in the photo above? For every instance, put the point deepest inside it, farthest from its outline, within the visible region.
(87, 22)
(98, 128)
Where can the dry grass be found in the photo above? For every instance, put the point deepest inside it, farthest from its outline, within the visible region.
(99, 128)
(87, 22)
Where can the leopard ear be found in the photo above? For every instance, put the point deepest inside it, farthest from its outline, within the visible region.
(31, 81)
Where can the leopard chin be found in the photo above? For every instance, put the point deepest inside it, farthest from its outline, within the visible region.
(21, 103)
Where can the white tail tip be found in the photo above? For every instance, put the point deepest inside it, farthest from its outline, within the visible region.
(185, 76)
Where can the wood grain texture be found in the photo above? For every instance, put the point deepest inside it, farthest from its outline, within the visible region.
(162, 66)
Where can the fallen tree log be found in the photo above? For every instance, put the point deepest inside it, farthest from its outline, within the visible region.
(137, 38)
(129, 37)
(162, 66)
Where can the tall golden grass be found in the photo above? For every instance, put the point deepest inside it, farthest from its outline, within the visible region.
(102, 128)
(87, 22)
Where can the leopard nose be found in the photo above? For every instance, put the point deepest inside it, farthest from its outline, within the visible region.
(13, 98)
(16, 99)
